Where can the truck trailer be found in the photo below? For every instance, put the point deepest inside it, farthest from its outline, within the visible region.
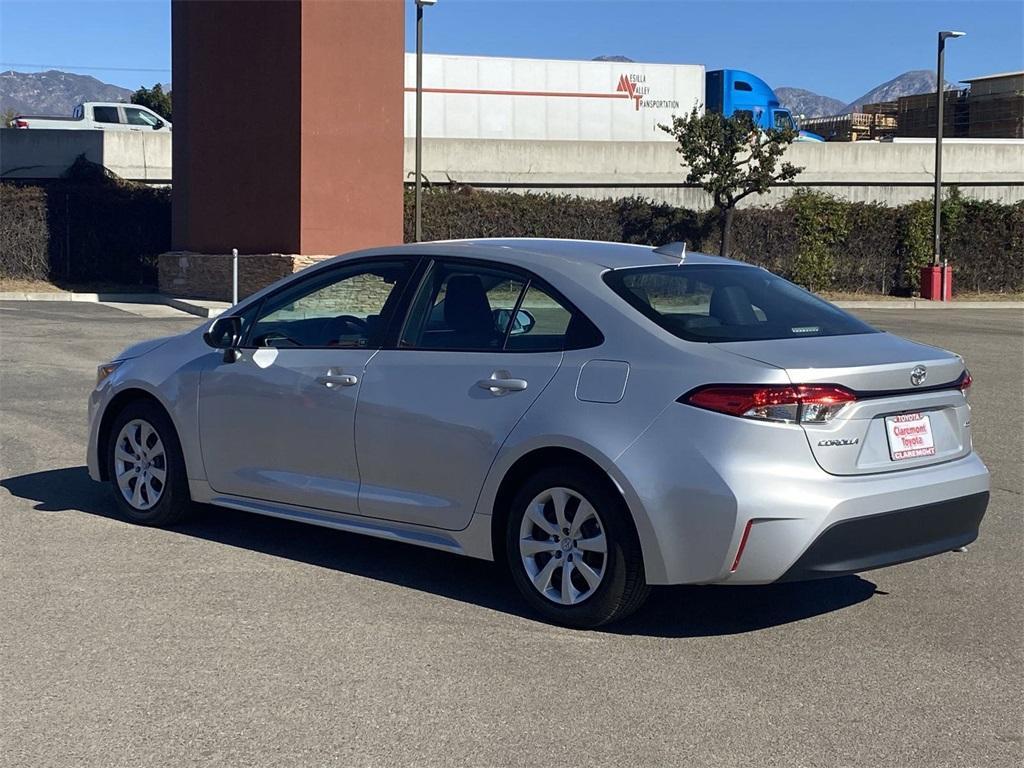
(482, 97)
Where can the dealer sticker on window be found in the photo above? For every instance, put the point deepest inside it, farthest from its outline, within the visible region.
(910, 436)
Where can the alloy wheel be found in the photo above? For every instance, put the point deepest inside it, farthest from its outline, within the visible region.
(140, 464)
(563, 546)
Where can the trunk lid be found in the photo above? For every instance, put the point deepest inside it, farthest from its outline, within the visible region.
(898, 422)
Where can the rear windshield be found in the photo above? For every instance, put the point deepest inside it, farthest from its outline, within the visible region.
(720, 303)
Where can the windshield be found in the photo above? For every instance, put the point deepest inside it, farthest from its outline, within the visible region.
(721, 303)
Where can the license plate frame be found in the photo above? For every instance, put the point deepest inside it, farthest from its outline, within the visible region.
(909, 436)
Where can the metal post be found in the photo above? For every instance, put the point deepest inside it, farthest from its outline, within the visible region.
(939, 99)
(419, 122)
(67, 237)
(234, 276)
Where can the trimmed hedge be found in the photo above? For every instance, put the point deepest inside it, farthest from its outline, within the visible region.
(24, 236)
(93, 228)
(813, 239)
(84, 228)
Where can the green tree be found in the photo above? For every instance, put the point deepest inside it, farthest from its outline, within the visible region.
(730, 158)
(6, 116)
(155, 99)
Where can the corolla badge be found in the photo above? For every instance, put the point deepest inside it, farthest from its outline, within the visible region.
(918, 375)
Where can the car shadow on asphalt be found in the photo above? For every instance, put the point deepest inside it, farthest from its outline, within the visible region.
(681, 611)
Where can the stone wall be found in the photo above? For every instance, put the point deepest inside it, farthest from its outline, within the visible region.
(360, 295)
(208, 276)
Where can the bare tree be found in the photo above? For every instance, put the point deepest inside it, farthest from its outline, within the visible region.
(731, 158)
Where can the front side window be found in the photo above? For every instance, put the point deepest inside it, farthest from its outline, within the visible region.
(344, 307)
(783, 121)
(140, 117)
(105, 115)
(722, 303)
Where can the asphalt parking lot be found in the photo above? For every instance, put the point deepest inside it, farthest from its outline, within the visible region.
(241, 640)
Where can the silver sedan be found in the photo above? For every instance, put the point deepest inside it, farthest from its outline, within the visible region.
(600, 417)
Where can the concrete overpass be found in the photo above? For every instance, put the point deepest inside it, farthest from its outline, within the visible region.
(889, 173)
(40, 154)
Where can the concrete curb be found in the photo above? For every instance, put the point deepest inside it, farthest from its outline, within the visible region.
(926, 304)
(196, 307)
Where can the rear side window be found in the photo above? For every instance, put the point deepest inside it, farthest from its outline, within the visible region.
(105, 114)
(722, 303)
(478, 308)
(463, 308)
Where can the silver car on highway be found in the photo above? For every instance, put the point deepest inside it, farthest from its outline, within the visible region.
(599, 417)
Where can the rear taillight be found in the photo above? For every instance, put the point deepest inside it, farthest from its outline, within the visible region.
(21, 124)
(965, 381)
(804, 403)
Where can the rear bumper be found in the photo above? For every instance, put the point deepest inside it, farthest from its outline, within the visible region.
(876, 541)
(694, 497)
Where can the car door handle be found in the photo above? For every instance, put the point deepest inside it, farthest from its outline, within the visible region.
(338, 380)
(501, 383)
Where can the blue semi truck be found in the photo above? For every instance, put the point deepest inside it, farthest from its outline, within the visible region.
(731, 91)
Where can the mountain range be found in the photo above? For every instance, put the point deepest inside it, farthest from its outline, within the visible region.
(810, 104)
(55, 92)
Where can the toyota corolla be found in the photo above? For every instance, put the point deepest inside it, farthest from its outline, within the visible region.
(598, 417)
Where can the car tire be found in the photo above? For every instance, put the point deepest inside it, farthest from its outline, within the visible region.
(146, 467)
(538, 550)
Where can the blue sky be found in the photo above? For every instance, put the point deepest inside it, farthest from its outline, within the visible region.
(834, 47)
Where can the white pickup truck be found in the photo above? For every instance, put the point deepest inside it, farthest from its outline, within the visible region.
(99, 115)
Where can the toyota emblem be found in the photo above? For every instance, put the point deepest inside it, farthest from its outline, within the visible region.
(918, 375)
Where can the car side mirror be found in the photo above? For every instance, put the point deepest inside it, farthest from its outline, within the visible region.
(158, 125)
(225, 333)
(522, 323)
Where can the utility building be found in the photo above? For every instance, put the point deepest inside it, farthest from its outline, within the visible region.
(996, 106)
(287, 135)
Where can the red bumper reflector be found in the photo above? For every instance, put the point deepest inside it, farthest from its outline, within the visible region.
(743, 543)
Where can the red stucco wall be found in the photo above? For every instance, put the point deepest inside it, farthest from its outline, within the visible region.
(287, 125)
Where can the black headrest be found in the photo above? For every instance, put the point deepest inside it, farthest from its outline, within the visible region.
(465, 304)
(731, 305)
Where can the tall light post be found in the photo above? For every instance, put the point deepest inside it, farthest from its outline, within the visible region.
(419, 116)
(940, 98)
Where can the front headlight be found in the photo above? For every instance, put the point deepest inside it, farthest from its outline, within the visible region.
(104, 371)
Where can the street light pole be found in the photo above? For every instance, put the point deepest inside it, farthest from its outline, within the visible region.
(419, 117)
(940, 98)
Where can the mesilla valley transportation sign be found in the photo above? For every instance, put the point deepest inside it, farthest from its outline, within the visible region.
(636, 87)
